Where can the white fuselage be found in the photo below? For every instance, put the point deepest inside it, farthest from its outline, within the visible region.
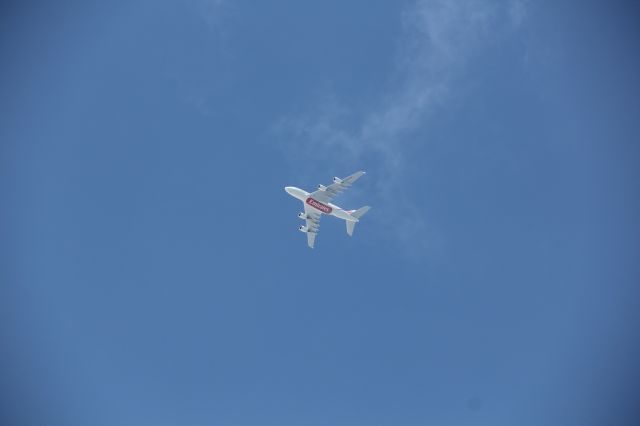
(326, 208)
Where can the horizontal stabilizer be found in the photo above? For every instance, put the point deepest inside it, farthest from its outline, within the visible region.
(360, 212)
(357, 214)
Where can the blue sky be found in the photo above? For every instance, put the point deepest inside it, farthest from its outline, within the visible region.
(152, 271)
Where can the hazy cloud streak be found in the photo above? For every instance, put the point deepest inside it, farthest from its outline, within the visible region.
(439, 40)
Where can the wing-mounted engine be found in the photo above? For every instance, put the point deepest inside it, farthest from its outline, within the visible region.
(322, 187)
(303, 215)
(337, 180)
(304, 229)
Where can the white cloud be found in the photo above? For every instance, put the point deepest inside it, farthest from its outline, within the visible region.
(440, 39)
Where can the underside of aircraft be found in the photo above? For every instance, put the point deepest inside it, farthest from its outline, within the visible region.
(319, 202)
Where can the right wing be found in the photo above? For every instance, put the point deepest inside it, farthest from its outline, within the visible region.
(313, 224)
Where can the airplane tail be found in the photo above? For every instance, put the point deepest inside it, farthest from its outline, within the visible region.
(357, 214)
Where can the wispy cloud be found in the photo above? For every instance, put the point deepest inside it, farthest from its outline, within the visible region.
(439, 41)
(210, 10)
(518, 11)
(198, 62)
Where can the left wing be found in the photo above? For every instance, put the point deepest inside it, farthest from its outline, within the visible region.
(328, 193)
(313, 224)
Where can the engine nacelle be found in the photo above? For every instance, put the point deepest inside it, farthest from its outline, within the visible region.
(303, 229)
(322, 187)
(303, 215)
(337, 180)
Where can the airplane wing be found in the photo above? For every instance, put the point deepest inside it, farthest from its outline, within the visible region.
(313, 224)
(327, 194)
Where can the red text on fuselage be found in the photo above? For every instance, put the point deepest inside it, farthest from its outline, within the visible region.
(318, 205)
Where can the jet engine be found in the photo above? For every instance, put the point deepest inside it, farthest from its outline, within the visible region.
(337, 180)
(303, 215)
(322, 187)
(303, 229)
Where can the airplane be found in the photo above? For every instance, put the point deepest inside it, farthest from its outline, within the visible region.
(318, 203)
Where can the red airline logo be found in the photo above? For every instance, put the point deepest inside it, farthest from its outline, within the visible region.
(318, 205)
